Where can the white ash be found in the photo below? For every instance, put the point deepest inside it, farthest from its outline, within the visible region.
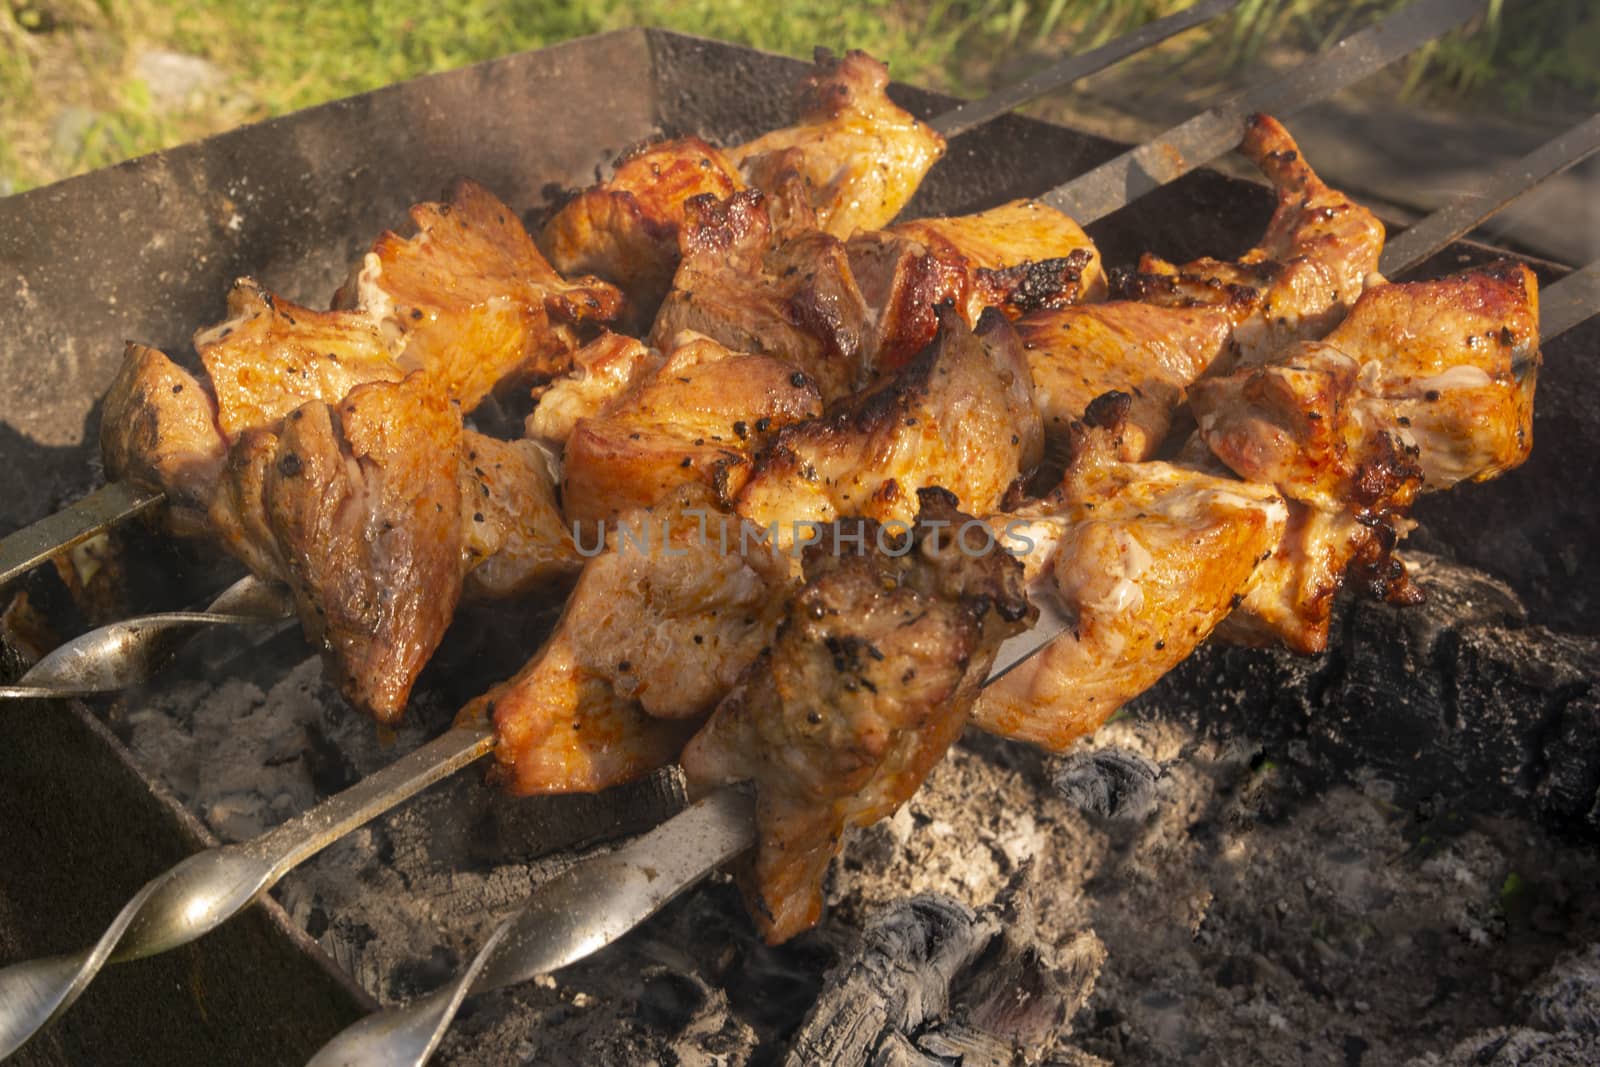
(1251, 911)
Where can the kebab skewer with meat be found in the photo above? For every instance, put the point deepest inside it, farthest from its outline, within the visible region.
(327, 449)
(1091, 477)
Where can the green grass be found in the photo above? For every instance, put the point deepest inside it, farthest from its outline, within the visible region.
(78, 54)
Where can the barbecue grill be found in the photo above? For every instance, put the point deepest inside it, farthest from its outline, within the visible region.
(147, 248)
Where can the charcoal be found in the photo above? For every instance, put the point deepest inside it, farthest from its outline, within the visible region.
(933, 982)
(1562, 1025)
(1457, 700)
(1108, 782)
(1568, 999)
(898, 978)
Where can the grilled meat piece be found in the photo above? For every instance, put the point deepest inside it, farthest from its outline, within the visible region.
(861, 155)
(660, 625)
(269, 356)
(745, 285)
(1430, 379)
(159, 431)
(1310, 424)
(1424, 385)
(869, 680)
(470, 299)
(961, 415)
(1145, 558)
(602, 371)
(1018, 257)
(364, 501)
(1291, 600)
(1459, 360)
(697, 418)
(1302, 278)
(515, 540)
(380, 511)
(1149, 352)
(625, 230)
(757, 280)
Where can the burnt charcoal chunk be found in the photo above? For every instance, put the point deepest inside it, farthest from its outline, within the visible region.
(1569, 790)
(1569, 996)
(933, 982)
(898, 979)
(1111, 782)
(1455, 698)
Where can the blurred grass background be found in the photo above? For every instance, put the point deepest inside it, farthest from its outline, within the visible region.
(87, 83)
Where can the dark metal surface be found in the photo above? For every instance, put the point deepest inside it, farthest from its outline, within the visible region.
(1570, 302)
(147, 249)
(74, 524)
(1219, 129)
(81, 827)
(1419, 241)
(970, 116)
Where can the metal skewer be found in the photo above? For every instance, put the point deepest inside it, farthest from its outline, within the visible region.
(970, 116)
(123, 654)
(1422, 239)
(598, 900)
(1570, 302)
(210, 887)
(1209, 134)
(102, 509)
(26, 548)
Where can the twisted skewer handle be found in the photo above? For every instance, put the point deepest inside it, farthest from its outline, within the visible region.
(121, 655)
(576, 913)
(208, 888)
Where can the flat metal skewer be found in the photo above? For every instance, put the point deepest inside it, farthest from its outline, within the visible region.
(969, 116)
(26, 548)
(1216, 130)
(1422, 239)
(1570, 302)
(102, 509)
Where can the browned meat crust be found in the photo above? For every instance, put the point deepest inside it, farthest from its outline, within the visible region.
(602, 371)
(658, 628)
(1424, 385)
(1148, 352)
(744, 285)
(861, 155)
(1432, 378)
(365, 506)
(470, 299)
(269, 356)
(869, 680)
(159, 431)
(698, 418)
(379, 511)
(1019, 257)
(960, 416)
(1303, 277)
(1145, 558)
(515, 540)
(625, 230)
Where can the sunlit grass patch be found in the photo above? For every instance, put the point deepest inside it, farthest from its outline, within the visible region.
(72, 99)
